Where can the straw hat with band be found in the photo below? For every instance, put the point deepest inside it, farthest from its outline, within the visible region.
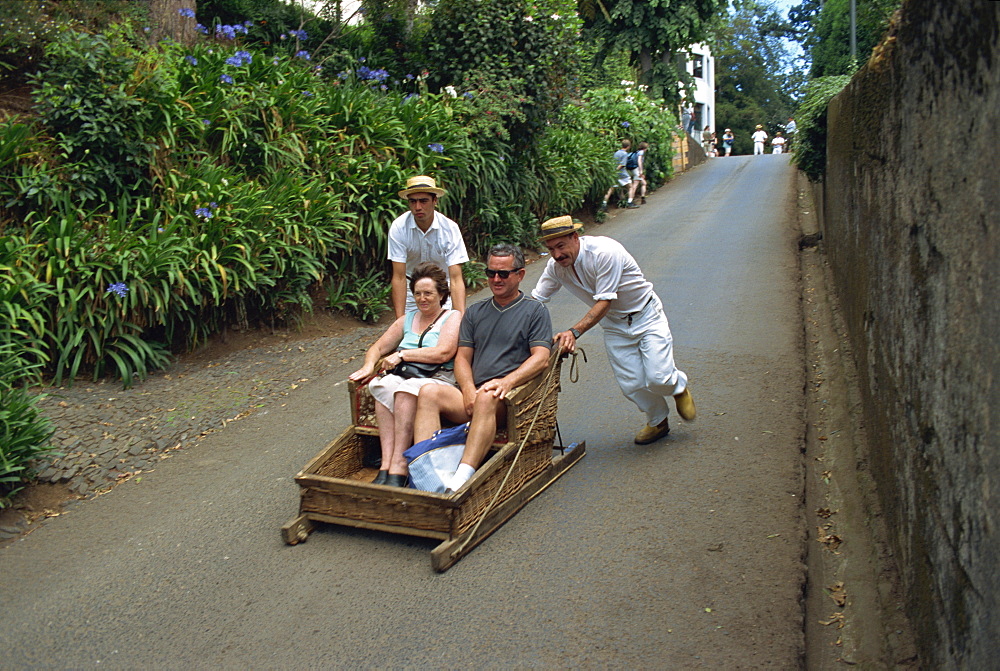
(421, 184)
(558, 227)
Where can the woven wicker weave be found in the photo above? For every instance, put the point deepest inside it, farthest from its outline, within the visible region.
(331, 490)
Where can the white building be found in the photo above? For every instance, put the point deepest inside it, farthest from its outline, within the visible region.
(698, 108)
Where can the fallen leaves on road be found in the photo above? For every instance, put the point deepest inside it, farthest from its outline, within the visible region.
(825, 513)
(835, 618)
(831, 540)
(838, 593)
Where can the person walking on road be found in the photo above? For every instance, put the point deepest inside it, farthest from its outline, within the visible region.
(425, 235)
(759, 138)
(600, 272)
(624, 177)
(727, 141)
(639, 175)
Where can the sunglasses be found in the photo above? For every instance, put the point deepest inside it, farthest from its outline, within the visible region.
(504, 274)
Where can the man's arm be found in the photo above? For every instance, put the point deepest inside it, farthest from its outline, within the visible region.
(463, 376)
(532, 366)
(457, 287)
(567, 341)
(398, 285)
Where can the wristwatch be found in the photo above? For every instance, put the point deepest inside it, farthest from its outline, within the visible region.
(576, 334)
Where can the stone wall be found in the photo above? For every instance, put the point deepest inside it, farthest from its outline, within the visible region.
(911, 203)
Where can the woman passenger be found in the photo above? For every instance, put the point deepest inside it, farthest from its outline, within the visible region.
(395, 396)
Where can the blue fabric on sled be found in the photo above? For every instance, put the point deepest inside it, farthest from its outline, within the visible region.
(436, 458)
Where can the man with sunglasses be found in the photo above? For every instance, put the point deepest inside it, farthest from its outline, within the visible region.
(600, 272)
(503, 342)
(425, 235)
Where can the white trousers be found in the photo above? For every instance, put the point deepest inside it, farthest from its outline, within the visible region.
(758, 148)
(642, 357)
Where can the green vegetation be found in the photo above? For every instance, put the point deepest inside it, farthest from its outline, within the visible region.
(810, 143)
(156, 194)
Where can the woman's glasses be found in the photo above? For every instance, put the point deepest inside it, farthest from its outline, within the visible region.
(504, 274)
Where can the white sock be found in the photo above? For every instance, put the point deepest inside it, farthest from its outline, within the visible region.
(461, 476)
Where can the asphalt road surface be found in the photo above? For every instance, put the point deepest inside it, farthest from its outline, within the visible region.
(686, 553)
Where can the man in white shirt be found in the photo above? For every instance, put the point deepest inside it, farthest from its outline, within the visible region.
(600, 272)
(759, 138)
(424, 234)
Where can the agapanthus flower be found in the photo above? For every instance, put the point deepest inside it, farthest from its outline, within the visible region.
(226, 79)
(191, 59)
(206, 122)
(204, 213)
(410, 95)
(201, 29)
(301, 34)
(304, 55)
(436, 146)
(118, 288)
(307, 94)
(625, 124)
(408, 77)
(186, 11)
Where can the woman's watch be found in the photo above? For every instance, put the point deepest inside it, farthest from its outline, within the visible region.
(576, 334)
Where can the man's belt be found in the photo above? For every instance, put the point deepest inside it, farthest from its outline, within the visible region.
(628, 316)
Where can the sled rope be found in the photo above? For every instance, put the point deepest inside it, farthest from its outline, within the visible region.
(524, 441)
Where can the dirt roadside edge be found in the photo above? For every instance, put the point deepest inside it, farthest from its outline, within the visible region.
(853, 604)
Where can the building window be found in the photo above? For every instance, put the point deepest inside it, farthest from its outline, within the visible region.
(698, 66)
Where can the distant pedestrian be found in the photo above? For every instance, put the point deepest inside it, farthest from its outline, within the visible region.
(727, 141)
(706, 140)
(639, 175)
(778, 143)
(624, 177)
(759, 138)
(790, 129)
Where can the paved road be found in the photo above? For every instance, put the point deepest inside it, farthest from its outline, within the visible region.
(682, 554)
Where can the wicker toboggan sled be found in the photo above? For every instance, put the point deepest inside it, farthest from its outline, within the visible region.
(336, 488)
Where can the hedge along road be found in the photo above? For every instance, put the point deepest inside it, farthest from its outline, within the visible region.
(685, 553)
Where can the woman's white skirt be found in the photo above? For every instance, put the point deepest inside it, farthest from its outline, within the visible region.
(385, 387)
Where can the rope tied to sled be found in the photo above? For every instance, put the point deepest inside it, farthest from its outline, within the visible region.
(549, 376)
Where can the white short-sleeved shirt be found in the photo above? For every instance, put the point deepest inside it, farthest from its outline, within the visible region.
(759, 136)
(607, 272)
(441, 244)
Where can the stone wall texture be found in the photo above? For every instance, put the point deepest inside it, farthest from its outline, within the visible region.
(910, 223)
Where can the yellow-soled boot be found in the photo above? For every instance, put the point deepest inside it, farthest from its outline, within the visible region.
(685, 405)
(652, 433)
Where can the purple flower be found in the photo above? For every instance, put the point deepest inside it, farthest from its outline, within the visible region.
(410, 95)
(304, 55)
(204, 213)
(206, 122)
(362, 59)
(226, 79)
(307, 94)
(408, 77)
(191, 59)
(436, 146)
(300, 34)
(186, 11)
(240, 58)
(625, 124)
(118, 288)
(213, 205)
(384, 87)
(201, 29)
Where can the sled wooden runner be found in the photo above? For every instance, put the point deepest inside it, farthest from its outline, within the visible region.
(335, 486)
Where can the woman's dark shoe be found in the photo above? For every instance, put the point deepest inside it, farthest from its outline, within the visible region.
(394, 480)
(381, 478)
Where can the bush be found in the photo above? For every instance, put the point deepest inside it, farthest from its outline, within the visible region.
(809, 152)
(24, 433)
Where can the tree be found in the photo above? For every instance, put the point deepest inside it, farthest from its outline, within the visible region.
(172, 19)
(756, 79)
(823, 28)
(516, 51)
(653, 32)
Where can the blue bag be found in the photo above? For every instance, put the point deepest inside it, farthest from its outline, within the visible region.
(436, 458)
